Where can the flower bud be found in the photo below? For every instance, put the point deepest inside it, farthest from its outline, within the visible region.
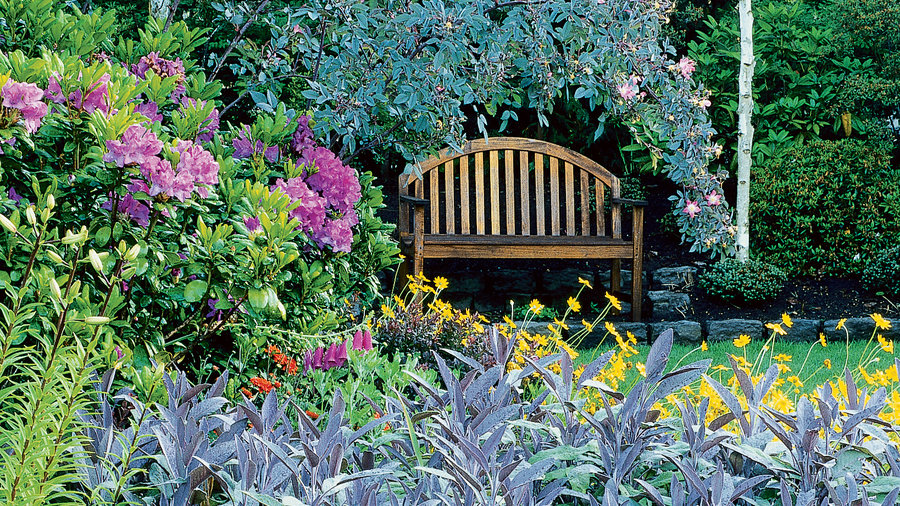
(30, 216)
(51, 201)
(95, 261)
(54, 289)
(132, 254)
(55, 257)
(8, 225)
(128, 273)
(45, 215)
(96, 320)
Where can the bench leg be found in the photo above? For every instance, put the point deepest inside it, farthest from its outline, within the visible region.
(615, 277)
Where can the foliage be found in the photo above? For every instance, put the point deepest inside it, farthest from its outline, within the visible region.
(417, 77)
(882, 274)
(802, 79)
(828, 207)
(50, 333)
(865, 29)
(225, 221)
(417, 322)
(748, 282)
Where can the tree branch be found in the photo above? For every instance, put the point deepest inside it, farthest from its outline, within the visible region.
(171, 16)
(237, 38)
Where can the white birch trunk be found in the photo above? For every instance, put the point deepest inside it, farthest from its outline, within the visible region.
(160, 8)
(745, 130)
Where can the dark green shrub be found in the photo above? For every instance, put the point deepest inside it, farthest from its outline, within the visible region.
(882, 274)
(825, 208)
(735, 281)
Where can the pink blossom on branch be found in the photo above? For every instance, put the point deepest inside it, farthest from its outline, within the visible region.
(27, 98)
(692, 208)
(687, 67)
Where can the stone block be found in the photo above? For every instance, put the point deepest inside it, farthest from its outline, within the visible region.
(675, 279)
(669, 305)
(858, 328)
(685, 331)
(564, 281)
(505, 281)
(725, 330)
(804, 331)
(604, 276)
(473, 284)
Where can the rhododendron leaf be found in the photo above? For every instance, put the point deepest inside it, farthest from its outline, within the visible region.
(195, 290)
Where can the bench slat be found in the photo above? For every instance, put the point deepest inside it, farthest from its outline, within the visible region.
(495, 192)
(479, 193)
(450, 197)
(464, 210)
(599, 187)
(554, 195)
(616, 214)
(525, 196)
(493, 246)
(585, 203)
(508, 160)
(539, 202)
(434, 202)
(570, 199)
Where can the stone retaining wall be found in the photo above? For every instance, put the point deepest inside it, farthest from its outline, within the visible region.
(691, 332)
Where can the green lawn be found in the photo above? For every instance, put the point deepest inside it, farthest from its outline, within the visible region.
(813, 373)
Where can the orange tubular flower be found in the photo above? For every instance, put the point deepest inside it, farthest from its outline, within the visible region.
(262, 384)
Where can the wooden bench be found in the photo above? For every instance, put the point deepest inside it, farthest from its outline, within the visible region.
(508, 197)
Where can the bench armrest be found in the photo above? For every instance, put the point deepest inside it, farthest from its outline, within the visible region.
(629, 202)
(413, 200)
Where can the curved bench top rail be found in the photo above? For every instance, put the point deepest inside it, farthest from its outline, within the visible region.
(516, 144)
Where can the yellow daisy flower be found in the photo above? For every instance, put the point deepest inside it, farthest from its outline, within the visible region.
(823, 341)
(536, 307)
(614, 301)
(786, 320)
(704, 346)
(742, 341)
(441, 283)
(574, 305)
(585, 282)
(880, 322)
(840, 324)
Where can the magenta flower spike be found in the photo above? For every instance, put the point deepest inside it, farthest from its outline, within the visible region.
(367, 340)
(341, 354)
(330, 358)
(358, 341)
(317, 360)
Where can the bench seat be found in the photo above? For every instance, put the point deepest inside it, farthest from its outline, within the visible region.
(538, 246)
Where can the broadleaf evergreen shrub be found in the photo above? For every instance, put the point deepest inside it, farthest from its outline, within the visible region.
(825, 208)
(742, 282)
(882, 273)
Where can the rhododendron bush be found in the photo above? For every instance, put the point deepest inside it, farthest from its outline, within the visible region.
(240, 230)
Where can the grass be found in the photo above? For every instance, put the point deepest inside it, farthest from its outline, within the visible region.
(807, 360)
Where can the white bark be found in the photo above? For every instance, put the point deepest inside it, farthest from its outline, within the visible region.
(745, 130)
(160, 8)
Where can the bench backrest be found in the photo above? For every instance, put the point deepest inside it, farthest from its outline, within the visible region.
(514, 186)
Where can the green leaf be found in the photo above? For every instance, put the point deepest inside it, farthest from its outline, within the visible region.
(194, 290)
(102, 236)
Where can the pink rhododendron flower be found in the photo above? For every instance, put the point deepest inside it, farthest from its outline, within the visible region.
(686, 66)
(211, 125)
(303, 136)
(150, 110)
(199, 164)
(713, 199)
(28, 99)
(692, 208)
(252, 223)
(244, 147)
(336, 182)
(137, 145)
(96, 98)
(163, 68)
(311, 212)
